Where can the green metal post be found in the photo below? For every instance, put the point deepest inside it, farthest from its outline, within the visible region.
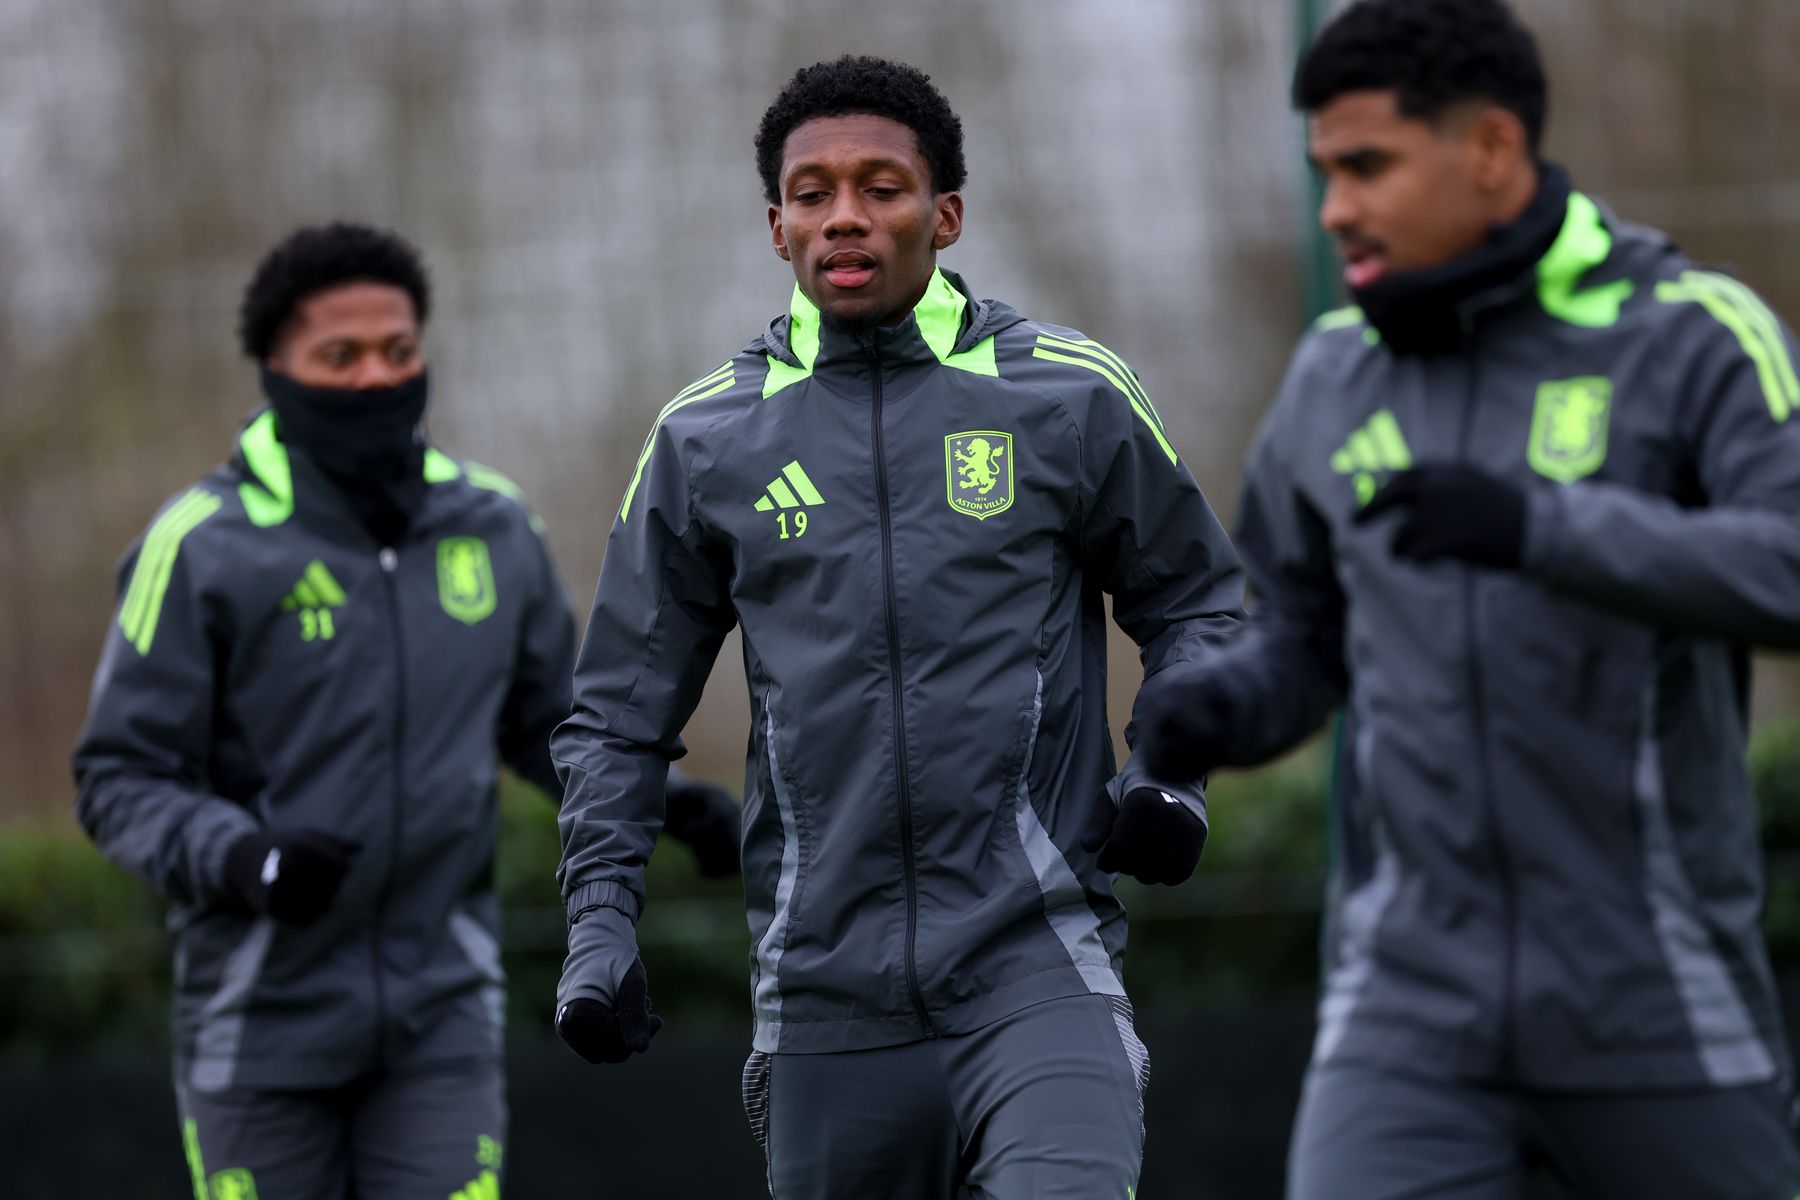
(1319, 288)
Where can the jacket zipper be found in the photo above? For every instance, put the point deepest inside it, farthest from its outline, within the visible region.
(1478, 703)
(907, 852)
(390, 562)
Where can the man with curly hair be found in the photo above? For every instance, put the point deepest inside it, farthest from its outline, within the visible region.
(1523, 509)
(912, 502)
(323, 652)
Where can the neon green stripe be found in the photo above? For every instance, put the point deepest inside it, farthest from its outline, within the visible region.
(190, 1140)
(650, 442)
(1085, 346)
(1099, 369)
(491, 480)
(1763, 323)
(783, 495)
(1395, 455)
(165, 568)
(1339, 318)
(324, 583)
(1774, 368)
(802, 482)
(157, 564)
(705, 381)
(764, 504)
(131, 613)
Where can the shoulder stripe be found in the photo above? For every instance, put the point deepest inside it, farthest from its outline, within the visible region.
(1113, 378)
(724, 371)
(700, 389)
(142, 608)
(1741, 311)
(1087, 346)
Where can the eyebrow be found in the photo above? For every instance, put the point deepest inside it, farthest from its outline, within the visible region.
(862, 167)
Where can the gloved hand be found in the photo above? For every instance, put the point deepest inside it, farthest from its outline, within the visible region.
(603, 1000)
(1150, 835)
(292, 874)
(707, 820)
(1183, 725)
(1453, 510)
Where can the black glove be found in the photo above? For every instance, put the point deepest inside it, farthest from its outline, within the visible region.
(603, 1033)
(1451, 510)
(603, 1000)
(1183, 725)
(1150, 835)
(292, 875)
(706, 819)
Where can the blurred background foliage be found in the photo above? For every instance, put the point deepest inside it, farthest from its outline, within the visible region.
(84, 965)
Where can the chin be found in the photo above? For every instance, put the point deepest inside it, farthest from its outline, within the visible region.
(853, 317)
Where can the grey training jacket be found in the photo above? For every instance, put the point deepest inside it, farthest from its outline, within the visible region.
(914, 529)
(270, 666)
(1550, 873)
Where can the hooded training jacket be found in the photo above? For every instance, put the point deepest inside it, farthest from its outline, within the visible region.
(270, 666)
(1549, 872)
(914, 528)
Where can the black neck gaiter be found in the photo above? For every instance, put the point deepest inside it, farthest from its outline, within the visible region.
(367, 442)
(1420, 312)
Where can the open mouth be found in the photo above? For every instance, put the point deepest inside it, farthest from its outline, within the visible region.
(848, 268)
(1364, 264)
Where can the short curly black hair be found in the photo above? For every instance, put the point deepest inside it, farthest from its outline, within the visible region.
(317, 257)
(861, 84)
(1433, 53)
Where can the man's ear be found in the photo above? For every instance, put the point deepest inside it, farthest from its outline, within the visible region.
(1499, 143)
(949, 206)
(776, 234)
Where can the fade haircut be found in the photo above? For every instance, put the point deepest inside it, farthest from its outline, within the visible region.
(864, 86)
(1433, 54)
(314, 258)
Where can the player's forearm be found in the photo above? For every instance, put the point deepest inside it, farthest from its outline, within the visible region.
(612, 811)
(171, 836)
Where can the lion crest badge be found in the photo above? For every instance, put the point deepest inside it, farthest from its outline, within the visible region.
(978, 472)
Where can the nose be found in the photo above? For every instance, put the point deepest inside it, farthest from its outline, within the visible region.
(1337, 209)
(849, 216)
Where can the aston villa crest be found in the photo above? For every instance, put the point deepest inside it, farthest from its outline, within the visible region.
(978, 472)
(1568, 427)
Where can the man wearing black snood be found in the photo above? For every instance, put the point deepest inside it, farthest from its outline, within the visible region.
(323, 653)
(1520, 511)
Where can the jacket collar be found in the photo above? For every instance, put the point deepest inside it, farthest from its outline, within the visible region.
(1548, 251)
(275, 476)
(946, 327)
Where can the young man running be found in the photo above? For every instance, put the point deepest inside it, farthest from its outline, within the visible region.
(1523, 508)
(912, 502)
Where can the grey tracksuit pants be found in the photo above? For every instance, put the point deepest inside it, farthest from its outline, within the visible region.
(425, 1133)
(1044, 1104)
(1369, 1133)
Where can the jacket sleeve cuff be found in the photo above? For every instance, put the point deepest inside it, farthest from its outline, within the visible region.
(604, 893)
(217, 826)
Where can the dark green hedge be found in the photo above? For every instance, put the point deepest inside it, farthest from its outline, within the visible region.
(83, 962)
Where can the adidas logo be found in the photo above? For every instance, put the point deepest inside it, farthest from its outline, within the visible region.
(1375, 449)
(317, 593)
(790, 489)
